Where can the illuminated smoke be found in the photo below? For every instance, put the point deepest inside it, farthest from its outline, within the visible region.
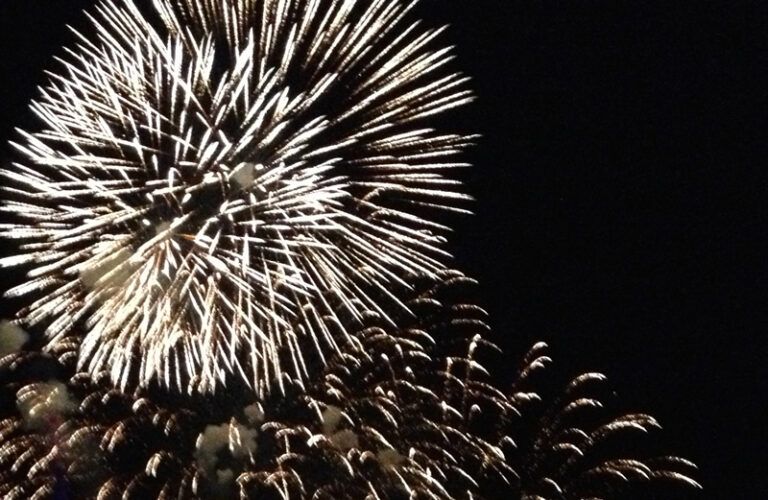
(12, 337)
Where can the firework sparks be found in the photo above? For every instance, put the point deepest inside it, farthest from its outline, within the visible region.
(419, 415)
(244, 193)
(214, 187)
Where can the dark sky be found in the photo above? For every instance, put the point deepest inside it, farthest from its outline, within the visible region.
(621, 186)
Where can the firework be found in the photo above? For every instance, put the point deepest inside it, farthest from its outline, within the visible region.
(419, 416)
(217, 184)
(244, 194)
(570, 444)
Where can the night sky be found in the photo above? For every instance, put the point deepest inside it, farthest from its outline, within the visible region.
(621, 197)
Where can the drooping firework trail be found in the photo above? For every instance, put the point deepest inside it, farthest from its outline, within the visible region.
(231, 221)
(400, 418)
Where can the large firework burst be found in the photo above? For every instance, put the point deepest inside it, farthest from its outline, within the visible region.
(418, 416)
(218, 183)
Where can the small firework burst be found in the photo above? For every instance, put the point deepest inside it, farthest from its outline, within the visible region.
(569, 444)
(217, 183)
(417, 417)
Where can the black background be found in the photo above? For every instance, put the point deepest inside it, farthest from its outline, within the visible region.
(621, 188)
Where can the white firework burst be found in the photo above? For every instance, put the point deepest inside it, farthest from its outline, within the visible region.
(214, 187)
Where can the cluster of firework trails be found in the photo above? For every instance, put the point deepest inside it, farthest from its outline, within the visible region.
(231, 222)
